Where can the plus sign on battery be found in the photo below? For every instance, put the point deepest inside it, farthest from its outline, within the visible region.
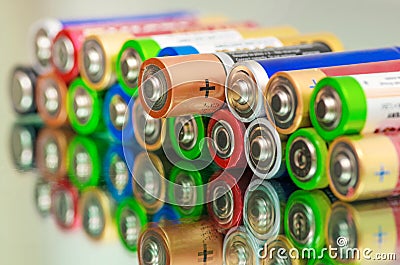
(207, 88)
(204, 254)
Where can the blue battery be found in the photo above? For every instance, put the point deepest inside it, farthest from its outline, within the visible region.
(117, 175)
(166, 214)
(118, 122)
(178, 50)
(251, 77)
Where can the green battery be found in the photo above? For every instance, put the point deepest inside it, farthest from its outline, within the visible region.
(306, 217)
(131, 218)
(355, 104)
(188, 135)
(187, 189)
(306, 155)
(84, 107)
(86, 158)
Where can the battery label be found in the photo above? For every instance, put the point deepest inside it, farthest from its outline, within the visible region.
(209, 37)
(289, 51)
(382, 91)
(395, 138)
(246, 44)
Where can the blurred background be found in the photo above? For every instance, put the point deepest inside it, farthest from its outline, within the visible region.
(24, 236)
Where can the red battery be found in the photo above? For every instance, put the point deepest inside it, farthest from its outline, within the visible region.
(225, 194)
(64, 208)
(226, 134)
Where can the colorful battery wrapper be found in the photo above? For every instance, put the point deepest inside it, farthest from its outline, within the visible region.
(92, 101)
(310, 173)
(167, 215)
(363, 104)
(116, 115)
(116, 173)
(86, 157)
(293, 89)
(128, 211)
(65, 198)
(257, 74)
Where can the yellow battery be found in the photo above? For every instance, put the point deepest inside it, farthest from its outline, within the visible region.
(363, 167)
(281, 251)
(324, 37)
(361, 231)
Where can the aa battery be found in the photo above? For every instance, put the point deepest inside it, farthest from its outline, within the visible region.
(306, 218)
(84, 107)
(42, 196)
(150, 173)
(195, 84)
(22, 90)
(167, 215)
(248, 80)
(97, 211)
(116, 173)
(131, 219)
(226, 134)
(306, 155)
(171, 245)
(275, 40)
(86, 156)
(264, 207)
(22, 145)
(356, 104)
(241, 248)
(43, 32)
(150, 133)
(372, 228)
(187, 135)
(364, 167)
(265, 149)
(225, 197)
(65, 198)
(116, 115)
(289, 92)
(51, 100)
(51, 152)
(280, 251)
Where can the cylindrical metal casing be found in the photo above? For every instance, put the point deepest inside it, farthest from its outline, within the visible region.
(22, 90)
(65, 198)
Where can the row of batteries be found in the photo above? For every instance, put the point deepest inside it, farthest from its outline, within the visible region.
(206, 93)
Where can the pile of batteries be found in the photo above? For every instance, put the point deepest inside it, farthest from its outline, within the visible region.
(223, 135)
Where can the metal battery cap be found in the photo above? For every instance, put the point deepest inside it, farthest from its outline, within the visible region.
(130, 226)
(64, 207)
(223, 139)
(119, 173)
(149, 129)
(93, 217)
(82, 105)
(82, 164)
(117, 109)
(22, 91)
(50, 95)
(52, 155)
(93, 60)
(238, 248)
(222, 202)
(153, 249)
(186, 131)
(42, 44)
(22, 146)
(154, 87)
(129, 64)
(63, 54)
(186, 195)
(43, 197)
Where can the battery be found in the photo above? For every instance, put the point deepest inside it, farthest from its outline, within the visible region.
(22, 145)
(225, 197)
(306, 154)
(51, 152)
(42, 196)
(150, 174)
(84, 107)
(281, 251)
(116, 173)
(187, 135)
(363, 103)
(150, 133)
(86, 157)
(261, 42)
(264, 208)
(364, 167)
(167, 215)
(306, 218)
(289, 92)
(240, 248)
(248, 80)
(265, 149)
(372, 227)
(195, 84)
(226, 145)
(97, 211)
(51, 100)
(65, 198)
(22, 90)
(131, 219)
(116, 115)
(43, 32)
(172, 245)
(187, 188)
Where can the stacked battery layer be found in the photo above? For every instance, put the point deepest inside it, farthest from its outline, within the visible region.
(199, 140)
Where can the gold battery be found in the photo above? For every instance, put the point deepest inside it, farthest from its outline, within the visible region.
(181, 244)
(97, 212)
(362, 167)
(281, 251)
(97, 58)
(280, 31)
(360, 226)
(324, 37)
